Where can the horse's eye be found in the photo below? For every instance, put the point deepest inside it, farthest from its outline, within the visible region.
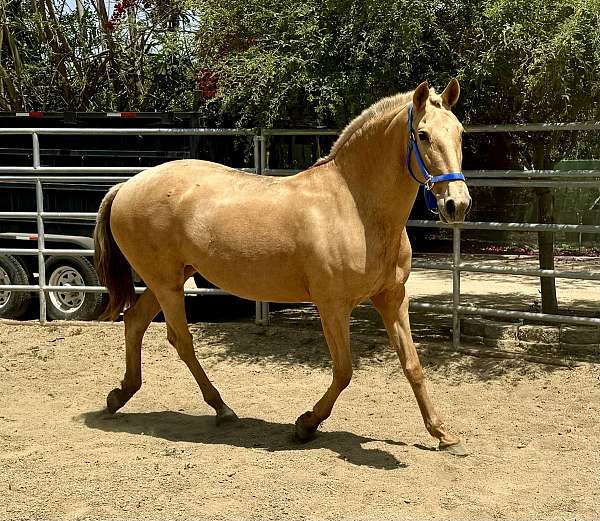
(423, 136)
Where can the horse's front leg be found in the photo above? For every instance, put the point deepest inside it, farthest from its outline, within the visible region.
(393, 307)
(335, 319)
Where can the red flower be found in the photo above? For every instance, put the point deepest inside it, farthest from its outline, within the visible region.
(120, 8)
(206, 83)
(109, 26)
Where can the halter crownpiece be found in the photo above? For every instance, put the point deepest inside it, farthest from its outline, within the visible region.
(430, 180)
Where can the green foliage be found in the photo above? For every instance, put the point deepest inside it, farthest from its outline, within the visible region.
(309, 62)
(302, 62)
(534, 60)
(53, 59)
(529, 61)
(317, 62)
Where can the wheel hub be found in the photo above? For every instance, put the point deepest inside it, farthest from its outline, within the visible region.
(66, 301)
(4, 281)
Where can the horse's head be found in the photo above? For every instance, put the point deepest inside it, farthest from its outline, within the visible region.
(438, 141)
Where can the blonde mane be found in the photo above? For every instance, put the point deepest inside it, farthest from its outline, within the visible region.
(376, 111)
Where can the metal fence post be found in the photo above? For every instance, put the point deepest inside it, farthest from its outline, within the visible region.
(39, 207)
(260, 161)
(455, 285)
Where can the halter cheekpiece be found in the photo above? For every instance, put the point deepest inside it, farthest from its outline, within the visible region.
(430, 180)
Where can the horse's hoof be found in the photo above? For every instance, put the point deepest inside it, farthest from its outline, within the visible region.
(225, 415)
(457, 449)
(303, 433)
(115, 400)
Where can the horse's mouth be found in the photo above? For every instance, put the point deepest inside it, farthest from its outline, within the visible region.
(453, 221)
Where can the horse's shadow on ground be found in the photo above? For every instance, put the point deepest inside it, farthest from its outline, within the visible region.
(246, 432)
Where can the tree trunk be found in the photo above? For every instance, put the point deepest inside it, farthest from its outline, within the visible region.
(545, 205)
(79, 5)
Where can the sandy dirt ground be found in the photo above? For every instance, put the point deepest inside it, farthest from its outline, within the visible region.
(533, 430)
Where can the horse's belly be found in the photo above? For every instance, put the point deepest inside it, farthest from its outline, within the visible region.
(269, 280)
(252, 266)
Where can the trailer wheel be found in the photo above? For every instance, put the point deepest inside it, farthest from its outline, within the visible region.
(13, 304)
(72, 305)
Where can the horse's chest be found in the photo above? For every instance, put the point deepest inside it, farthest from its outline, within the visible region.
(369, 262)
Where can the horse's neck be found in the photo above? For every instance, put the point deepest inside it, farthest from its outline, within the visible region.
(373, 166)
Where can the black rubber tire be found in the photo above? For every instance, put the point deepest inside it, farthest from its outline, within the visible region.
(93, 303)
(18, 301)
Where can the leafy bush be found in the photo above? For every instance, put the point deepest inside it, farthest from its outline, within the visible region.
(301, 62)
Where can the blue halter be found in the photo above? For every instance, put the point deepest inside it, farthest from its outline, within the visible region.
(430, 180)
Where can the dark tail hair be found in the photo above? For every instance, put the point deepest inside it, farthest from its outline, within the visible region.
(113, 269)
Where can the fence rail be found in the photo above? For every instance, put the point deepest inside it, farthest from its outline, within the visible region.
(39, 175)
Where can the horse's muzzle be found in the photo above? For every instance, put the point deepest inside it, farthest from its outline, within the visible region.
(455, 210)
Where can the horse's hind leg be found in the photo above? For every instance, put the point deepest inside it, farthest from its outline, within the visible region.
(137, 319)
(336, 327)
(393, 307)
(172, 303)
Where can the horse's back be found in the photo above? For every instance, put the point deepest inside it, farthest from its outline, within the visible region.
(181, 175)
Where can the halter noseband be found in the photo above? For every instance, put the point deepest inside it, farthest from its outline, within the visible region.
(430, 180)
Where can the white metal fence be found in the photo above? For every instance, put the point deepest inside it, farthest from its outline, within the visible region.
(505, 178)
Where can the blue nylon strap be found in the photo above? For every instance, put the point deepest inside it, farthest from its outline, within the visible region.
(430, 200)
(430, 180)
(450, 176)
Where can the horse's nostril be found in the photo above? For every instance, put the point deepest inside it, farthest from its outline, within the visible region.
(450, 207)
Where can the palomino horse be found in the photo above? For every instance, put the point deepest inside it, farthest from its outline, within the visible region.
(333, 235)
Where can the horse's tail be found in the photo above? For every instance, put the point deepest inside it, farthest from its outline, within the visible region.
(113, 269)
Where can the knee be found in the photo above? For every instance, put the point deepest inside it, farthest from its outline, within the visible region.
(414, 373)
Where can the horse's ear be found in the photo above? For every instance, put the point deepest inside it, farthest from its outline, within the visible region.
(451, 93)
(420, 97)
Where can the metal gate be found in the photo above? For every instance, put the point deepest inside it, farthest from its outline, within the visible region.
(506, 178)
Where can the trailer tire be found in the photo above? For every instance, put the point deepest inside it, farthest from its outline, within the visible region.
(72, 305)
(13, 304)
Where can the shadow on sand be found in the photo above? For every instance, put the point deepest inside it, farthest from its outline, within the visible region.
(295, 339)
(250, 433)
